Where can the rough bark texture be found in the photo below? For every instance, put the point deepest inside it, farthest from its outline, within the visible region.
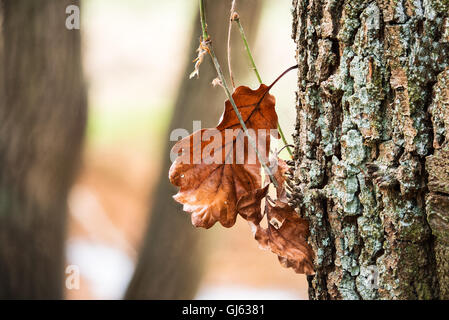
(372, 155)
(171, 260)
(42, 116)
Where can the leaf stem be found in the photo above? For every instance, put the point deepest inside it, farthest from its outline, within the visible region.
(207, 44)
(253, 64)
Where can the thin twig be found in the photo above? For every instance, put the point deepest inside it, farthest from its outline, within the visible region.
(253, 65)
(203, 21)
(281, 133)
(284, 140)
(231, 17)
(248, 51)
(207, 44)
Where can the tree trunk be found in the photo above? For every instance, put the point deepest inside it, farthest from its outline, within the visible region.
(171, 260)
(42, 116)
(372, 155)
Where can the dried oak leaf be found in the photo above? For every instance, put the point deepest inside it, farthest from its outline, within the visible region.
(286, 236)
(211, 191)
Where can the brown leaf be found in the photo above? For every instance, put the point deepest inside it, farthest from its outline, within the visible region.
(255, 106)
(286, 236)
(249, 205)
(211, 191)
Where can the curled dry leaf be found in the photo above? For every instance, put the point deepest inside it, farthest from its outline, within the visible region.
(249, 205)
(286, 236)
(212, 175)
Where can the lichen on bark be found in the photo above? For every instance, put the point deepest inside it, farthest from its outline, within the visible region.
(372, 123)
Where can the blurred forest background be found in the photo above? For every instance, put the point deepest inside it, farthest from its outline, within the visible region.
(137, 55)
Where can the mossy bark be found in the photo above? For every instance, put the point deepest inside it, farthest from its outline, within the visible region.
(372, 154)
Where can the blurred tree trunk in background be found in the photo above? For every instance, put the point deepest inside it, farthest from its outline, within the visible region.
(42, 118)
(171, 260)
(372, 154)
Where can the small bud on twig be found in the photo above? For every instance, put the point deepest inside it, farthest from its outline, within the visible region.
(217, 82)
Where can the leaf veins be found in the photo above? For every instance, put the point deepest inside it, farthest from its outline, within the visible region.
(211, 191)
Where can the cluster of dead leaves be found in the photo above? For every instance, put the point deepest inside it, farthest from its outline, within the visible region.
(222, 190)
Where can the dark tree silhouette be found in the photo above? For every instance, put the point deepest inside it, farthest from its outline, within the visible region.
(42, 118)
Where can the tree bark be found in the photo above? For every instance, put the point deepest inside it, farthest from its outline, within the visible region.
(372, 155)
(170, 263)
(42, 116)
